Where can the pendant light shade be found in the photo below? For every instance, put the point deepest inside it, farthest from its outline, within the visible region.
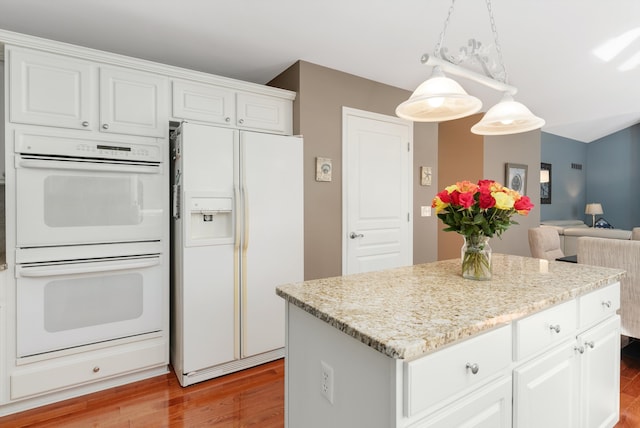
(438, 99)
(507, 117)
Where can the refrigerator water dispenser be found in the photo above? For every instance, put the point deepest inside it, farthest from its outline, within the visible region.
(210, 220)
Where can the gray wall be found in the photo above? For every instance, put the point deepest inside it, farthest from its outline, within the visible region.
(322, 92)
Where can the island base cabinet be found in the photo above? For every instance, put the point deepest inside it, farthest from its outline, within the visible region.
(490, 407)
(600, 375)
(545, 390)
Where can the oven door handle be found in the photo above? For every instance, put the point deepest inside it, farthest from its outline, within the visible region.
(80, 268)
(88, 166)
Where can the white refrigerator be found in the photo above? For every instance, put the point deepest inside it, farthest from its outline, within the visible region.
(237, 234)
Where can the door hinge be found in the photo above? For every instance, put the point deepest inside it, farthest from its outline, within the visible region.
(408, 217)
(408, 147)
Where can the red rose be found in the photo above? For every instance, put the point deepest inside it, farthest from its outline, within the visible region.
(455, 197)
(466, 199)
(523, 205)
(486, 201)
(485, 184)
(444, 197)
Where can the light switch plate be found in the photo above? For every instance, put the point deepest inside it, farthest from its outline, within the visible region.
(425, 211)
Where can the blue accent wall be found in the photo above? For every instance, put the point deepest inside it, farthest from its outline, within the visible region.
(610, 175)
(568, 186)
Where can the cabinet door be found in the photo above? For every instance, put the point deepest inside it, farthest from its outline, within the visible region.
(264, 113)
(490, 407)
(133, 102)
(205, 103)
(546, 390)
(600, 374)
(51, 90)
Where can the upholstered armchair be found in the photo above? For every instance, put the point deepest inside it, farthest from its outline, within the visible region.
(544, 243)
(621, 254)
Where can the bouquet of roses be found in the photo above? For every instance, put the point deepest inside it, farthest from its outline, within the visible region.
(479, 209)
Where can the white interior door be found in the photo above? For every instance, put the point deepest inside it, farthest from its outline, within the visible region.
(377, 153)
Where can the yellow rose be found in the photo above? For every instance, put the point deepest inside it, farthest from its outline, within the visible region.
(504, 201)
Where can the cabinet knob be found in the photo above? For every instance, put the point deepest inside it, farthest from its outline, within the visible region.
(607, 304)
(105, 126)
(555, 328)
(354, 235)
(227, 119)
(241, 121)
(580, 349)
(590, 344)
(473, 367)
(85, 123)
(96, 369)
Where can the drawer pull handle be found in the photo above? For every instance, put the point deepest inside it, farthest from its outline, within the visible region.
(105, 126)
(579, 349)
(555, 328)
(96, 369)
(241, 121)
(227, 119)
(590, 344)
(607, 304)
(473, 367)
(85, 123)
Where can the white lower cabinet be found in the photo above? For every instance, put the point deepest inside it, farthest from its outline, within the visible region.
(489, 407)
(75, 370)
(546, 390)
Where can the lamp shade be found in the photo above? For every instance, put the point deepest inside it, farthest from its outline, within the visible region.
(507, 117)
(437, 99)
(593, 209)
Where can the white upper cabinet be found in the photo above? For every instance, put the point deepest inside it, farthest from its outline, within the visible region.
(265, 113)
(50, 90)
(60, 91)
(133, 102)
(226, 106)
(206, 103)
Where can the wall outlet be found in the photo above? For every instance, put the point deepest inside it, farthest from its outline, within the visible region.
(326, 381)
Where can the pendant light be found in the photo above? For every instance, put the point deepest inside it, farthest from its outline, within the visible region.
(441, 98)
(437, 99)
(507, 117)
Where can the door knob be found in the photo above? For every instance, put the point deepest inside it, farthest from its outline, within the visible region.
(356, 235)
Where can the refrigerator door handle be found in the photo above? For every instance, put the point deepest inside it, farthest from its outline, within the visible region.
(245, 204)
(236, 196)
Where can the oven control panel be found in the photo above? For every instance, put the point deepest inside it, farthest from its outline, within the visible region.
(32, 143)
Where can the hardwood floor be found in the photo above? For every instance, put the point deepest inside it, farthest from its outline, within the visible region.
(252, 398)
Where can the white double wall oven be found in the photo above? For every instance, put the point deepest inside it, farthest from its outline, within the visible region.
(89, 222)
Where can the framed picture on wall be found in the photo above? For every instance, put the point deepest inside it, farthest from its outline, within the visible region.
(516, 177)
(545, 183)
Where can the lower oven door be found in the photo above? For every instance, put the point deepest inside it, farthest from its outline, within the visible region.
(64, 305)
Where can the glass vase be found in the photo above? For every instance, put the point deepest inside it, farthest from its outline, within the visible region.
(476, 258)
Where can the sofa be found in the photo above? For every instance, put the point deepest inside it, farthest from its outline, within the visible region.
(570, 230)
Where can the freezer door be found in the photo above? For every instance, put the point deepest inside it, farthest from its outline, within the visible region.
(272, 234)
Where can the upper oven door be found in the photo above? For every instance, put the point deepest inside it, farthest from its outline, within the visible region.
(70, 201)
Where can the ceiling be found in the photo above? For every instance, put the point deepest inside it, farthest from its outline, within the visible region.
(548, 46)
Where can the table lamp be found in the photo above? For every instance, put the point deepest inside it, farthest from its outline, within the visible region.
(593, 209)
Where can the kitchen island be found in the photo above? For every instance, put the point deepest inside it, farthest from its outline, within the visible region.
(420, 346)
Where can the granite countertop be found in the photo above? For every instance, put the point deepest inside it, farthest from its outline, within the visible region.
(410, 311)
